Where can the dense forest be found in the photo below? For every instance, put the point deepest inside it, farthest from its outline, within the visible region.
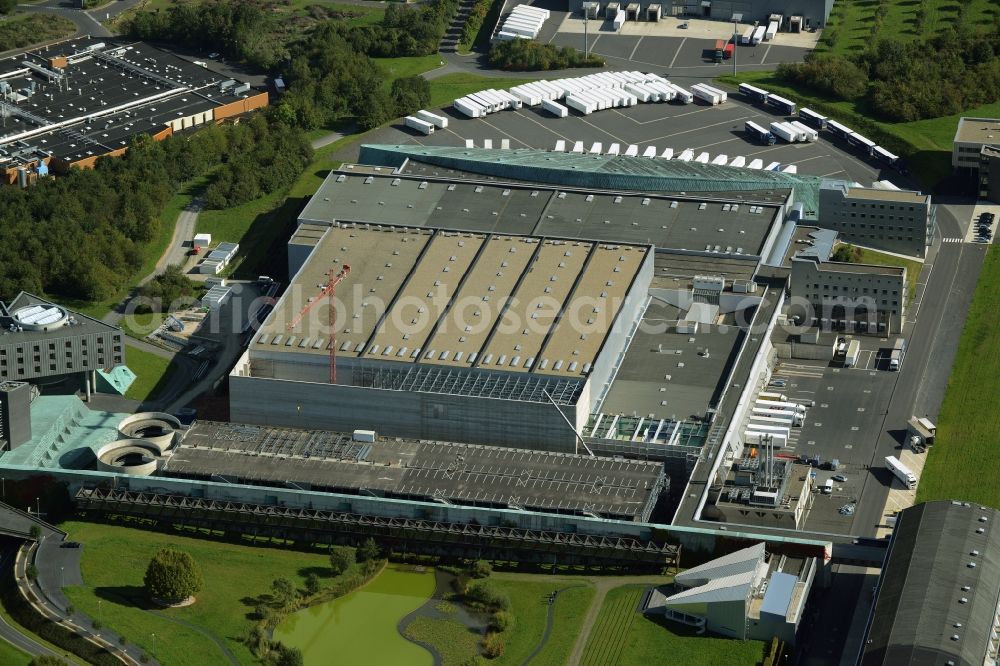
(903, 80)
(82, 235)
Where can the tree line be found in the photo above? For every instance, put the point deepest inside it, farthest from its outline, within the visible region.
(524, 55)
(902, 81)
(83, 234)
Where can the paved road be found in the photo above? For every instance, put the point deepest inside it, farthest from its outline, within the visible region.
(933, 334)
(8, 632)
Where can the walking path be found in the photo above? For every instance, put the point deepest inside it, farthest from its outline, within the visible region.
(549, 619)
(602, 586)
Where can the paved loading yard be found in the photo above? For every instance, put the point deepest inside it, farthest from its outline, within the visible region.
(844, 424)
(716, 130)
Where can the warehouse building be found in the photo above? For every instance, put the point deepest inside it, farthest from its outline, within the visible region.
(894, 220)
(748, 595)
(488, 338)
(68, 104)
(809, 13)
(44, 343)
(938, 598)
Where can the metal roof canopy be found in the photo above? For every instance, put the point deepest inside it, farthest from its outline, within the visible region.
(599, 171)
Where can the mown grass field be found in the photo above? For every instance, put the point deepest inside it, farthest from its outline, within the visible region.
(529, 602)
(963, 462)
(926, 144)
(114, 560)
(446, 89)
(851, 20)
(151, 372)
(11, 656)
(623, 636)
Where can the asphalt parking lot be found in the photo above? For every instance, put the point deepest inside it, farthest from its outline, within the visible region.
(713, 129)
(848, 415)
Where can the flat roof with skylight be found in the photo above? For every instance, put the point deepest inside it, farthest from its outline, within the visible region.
(445, 298)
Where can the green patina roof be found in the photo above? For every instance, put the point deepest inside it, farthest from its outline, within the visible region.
(62, 429)
(116, 380)
(608, 172)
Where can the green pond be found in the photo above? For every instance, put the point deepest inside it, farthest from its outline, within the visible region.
(360, 627)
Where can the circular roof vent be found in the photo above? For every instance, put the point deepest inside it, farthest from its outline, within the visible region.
(41, 317)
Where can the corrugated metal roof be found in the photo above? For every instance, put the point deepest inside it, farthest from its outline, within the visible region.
(741, 561)
(727, 588)
(919, 606)
(611, 172)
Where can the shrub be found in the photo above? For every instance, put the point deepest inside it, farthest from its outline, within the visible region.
(522, 55)
(31, 572)
(494, 645)
(368, 550)
(480, 569)
(502, 621)
(341, 559)
(312, 584)
(847, 253)
(485, 593)
(172, 575)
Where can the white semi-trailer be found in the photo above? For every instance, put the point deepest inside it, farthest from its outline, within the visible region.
(901, 472)
(809, 132)
(469, 108)
(421, 126)
(783, 131)
(440, 122)
(782, 404)
(555, 108)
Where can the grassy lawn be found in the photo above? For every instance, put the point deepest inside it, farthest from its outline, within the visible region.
(20, 31)
(114, 560)
(529, 602)
(445, 89)
(395, 68)
(962, 464)
(11, 656)
(141, 325)
(926, 144)
(881, 259)
(852, 20)
(623, 636)
(151, 371)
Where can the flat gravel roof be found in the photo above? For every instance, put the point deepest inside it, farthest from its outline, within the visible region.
(419, 470)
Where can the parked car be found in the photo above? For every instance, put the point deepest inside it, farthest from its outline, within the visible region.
(683, 26)
(779, 383)
(839, 478)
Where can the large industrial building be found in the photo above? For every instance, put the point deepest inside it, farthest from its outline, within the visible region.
(558, 302)
(938, 598)
(489, 338)
(530, 351)
(67, 104)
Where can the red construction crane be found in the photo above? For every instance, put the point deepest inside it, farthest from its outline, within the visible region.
(330, 291)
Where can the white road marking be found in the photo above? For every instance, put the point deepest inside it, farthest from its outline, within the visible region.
(679, 47)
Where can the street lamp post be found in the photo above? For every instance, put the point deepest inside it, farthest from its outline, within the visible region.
(154, 644)
(62, 578)
(736, 43)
